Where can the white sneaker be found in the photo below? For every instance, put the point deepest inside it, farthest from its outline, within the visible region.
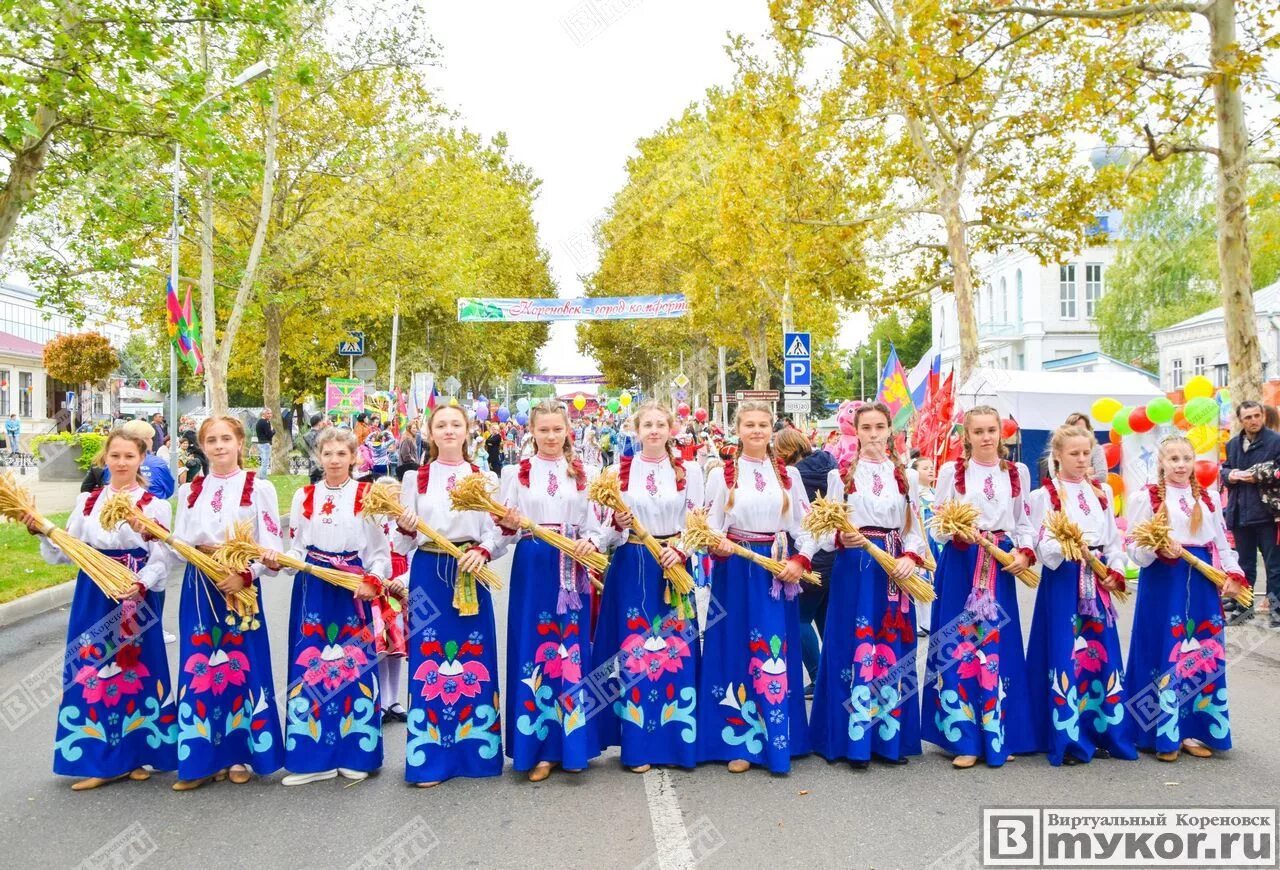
(169, 638)
(304, 778)
(355, 775)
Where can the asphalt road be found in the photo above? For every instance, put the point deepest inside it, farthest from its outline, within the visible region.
(821, 815)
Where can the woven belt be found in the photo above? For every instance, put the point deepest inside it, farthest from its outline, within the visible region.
(461, 545)
(741, 537)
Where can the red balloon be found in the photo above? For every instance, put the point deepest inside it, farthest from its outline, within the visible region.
(1139, 421)
(1206, 472)
(700, 415)
(1114, 437)
(682, 409)
(1113, 454)
(1008, 428)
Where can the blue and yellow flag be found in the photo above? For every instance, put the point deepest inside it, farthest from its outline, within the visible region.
(893, 390)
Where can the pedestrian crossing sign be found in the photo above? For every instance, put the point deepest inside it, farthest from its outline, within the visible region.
(798, 346)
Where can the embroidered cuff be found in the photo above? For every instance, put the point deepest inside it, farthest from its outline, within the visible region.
(613, 518)
(1118, 581)
(374, 582)
(488, 557)
(914, 557)
(1238, 577)
(684, 557)
(247, 577)
(508, 532)
(1029, 553)
(802, 560)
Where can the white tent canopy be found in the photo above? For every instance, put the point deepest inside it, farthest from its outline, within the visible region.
(1042, 400)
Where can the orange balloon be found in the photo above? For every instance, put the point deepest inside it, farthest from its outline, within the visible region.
(1117, 484)
(1180, 420)
(1114, 437)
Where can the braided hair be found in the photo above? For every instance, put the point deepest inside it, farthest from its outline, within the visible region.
(433, 452)
(1057, 442)
(899, 470)
(1197, 492)
(983, 411)
(653, 406)
(731, 468)
(573, 466)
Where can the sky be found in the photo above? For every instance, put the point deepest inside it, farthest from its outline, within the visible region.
(574, 85)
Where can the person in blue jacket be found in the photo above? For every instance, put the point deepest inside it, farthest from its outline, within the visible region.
(156, 472)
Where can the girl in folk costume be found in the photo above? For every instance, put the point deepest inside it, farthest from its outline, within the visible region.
(751, 682)
(647, 644)
(388, 613)
(1076, 696)
(975, 694)
(116, 717)
(548, 632)
(864, 703)
(227, 719)
(333, 722)
(454, 724)
(1177, 677)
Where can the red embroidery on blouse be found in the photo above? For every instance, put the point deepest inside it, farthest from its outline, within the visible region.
(196, 486)
(424, 477)
(624, 472)
(961, 483)
(362, 489)
(526, 466)
(92, 500)
(308, 500)
(246, 494)
(147, 498)
(677, 464)
(579, 476)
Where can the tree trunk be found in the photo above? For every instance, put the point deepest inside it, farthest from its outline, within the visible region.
(215, 367)
(273, 319)
(1239, 317)
(961, 280)
(758, 349)
(27, 164)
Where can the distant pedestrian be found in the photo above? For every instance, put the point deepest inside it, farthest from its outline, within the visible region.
(264, 432)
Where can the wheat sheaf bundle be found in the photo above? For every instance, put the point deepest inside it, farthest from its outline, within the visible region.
(473, 493)
(698, 535)
(241, 549)
(826, 516)
(959, 519)
(114, 579)
(383, 499)
(606, 490)
(1070, 538)
(243, 603)
(1156, 534)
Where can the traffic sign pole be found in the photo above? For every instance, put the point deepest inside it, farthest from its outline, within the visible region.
(797, 373)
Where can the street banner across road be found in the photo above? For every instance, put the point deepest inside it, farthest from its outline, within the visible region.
(531, 378)
(472, 310)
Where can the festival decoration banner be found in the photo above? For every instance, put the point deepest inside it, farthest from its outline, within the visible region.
(344, 395)
(530, 378)
(473, 310)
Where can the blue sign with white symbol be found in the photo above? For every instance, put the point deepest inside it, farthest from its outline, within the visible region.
(797, 369)
(353, 346)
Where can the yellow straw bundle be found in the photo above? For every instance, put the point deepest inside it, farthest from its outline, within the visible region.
(114, 579)
(241, 549)
(959, 519)
(698, 535)
(1156, 534)
(606, 490)
(383, 499)
(119, 508)
(826, 516)
(1070, 537)
(473, 493)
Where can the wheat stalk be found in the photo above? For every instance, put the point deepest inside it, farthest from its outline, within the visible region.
(1156, 534)
(606, 490)
(473, 493)
(826, 516)
(119, 508)
(383, 499)
(959, 519)
(698, 535)
(114, 579)
(240, 549)
(1071, 539)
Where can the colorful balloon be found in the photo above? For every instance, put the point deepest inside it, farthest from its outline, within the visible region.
(1120, 422)
(1198, 387)
(1008, 428)
(1139, 421)
(613, 405)
(482, 411)
(503, 414)
(682, 410)
(1160, 411)
(1203, 439)
(625, 399)
(1206, 472)
(1201, 411)
(1114, 437)
(522, 419)
(1180, 419)
(1117, 484)
(700, 415)
(523, 405)
(1104, 410)
(1114, 455)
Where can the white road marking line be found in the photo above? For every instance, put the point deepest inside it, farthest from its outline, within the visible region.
(669, 832)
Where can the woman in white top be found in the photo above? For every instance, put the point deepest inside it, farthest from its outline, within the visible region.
(975, 692)
(646, 642)
(227, 718)
(1177, 674)
(864, 701)
(116, 717)
(751, 683)
(334, 724)
(453, 727)
(1076, 695)
(548, 614)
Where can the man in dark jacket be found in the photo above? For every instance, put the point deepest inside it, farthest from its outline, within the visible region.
(265, 432)
(1250, 521)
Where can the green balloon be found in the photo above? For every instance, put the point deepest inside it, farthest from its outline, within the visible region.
(1120, 423)
(1201, 411)
(1160, 411)
(613, 405)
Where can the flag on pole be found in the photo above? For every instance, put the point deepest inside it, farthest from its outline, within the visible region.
(923, 379)
(893, 390)
(184, 328)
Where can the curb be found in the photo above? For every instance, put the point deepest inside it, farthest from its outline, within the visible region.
(37, 603)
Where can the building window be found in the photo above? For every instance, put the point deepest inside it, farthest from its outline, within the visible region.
(24, 394)
(1092, 288)
(1220, 375)
(1017, 285)
(1067, 291)
(5, 374)
(1176, 371)
(1004, 300)
(1197, 365)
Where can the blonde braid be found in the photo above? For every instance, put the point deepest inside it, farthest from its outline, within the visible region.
(1197, 513)
(786, 494)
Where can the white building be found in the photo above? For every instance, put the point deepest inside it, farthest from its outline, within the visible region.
(1029, 315)
(25, 387)
(1198, 345)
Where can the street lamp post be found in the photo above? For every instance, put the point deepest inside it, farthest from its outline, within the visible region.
(253, 73)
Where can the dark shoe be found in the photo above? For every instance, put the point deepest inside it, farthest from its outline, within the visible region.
(1229, 605)
(808, 691)
(896, 762)
(1102, 753)
(395, 713)
(859, 765)
(922, 632)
